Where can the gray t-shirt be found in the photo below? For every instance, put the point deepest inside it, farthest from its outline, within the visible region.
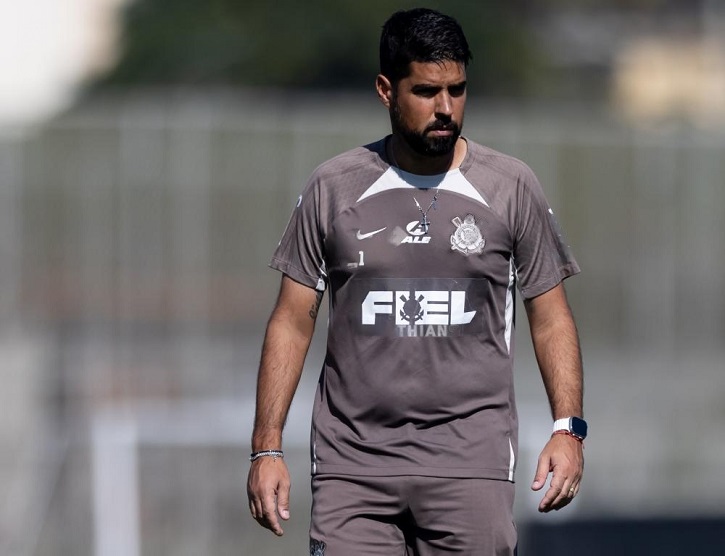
(417, 379)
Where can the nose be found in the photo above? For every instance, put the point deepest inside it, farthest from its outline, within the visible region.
(444, 104)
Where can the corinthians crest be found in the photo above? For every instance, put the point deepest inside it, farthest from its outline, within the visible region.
(467, 238)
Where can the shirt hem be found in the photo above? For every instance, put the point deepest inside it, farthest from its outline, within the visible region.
(294, 273)
(444, 472)
(565, 272)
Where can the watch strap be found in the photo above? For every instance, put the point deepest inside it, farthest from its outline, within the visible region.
(576, 426)
(562, 424)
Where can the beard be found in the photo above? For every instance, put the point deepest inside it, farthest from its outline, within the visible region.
(421, 142)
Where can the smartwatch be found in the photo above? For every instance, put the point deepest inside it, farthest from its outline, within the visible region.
(573, 425)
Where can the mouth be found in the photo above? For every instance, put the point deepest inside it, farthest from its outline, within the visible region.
(442, 130)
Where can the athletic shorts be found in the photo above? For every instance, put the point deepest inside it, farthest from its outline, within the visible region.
(411, 516)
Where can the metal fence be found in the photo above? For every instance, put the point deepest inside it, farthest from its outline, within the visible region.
(165, 207)
(134, 235)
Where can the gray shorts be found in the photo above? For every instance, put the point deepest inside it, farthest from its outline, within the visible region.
(411, 516)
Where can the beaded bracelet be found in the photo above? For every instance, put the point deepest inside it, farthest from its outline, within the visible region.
(574, 436)
(273, 453)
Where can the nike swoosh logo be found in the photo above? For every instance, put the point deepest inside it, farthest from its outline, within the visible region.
(361, 235)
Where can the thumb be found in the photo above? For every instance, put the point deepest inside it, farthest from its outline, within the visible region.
(283, 502)
(542, 471)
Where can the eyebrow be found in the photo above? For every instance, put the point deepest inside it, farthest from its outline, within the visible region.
(421, 87)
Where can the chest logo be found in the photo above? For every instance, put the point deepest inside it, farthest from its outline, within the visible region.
(467, 238)
(360, 235)
(417, 307)
(416, 233)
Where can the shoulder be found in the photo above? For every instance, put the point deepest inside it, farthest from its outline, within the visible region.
(487, 160)
(365, 159)
(340, 181)
(506, 183)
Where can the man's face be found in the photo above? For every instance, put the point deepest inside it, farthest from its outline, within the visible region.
(427, 106)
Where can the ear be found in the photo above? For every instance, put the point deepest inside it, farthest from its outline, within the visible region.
(384, 89)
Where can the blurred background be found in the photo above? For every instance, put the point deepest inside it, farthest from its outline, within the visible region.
(150, 155)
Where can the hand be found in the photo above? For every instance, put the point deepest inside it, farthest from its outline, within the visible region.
(563, 455)
(268, 486)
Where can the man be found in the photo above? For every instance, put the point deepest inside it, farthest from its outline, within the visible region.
(421, 239)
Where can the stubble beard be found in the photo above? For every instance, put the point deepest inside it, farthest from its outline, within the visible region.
(420, 142)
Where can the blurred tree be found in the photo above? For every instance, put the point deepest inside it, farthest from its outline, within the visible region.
(312, 44)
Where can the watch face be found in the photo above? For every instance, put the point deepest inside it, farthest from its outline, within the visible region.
(578, 427)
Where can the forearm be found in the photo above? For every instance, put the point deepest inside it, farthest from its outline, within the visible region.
(280, 369)
(556, 344)
(286, 342)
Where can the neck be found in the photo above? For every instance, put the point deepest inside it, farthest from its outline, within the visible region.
(405, 158)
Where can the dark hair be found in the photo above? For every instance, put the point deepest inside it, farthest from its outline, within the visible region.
(420, 35)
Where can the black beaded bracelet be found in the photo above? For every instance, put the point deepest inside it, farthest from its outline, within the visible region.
(272, 453)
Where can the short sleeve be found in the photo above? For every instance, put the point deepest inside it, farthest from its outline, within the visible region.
(300, 253)
(541, 255)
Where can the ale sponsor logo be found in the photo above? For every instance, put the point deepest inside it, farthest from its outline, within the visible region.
(416, 233)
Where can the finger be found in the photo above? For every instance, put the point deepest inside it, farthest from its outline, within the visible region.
(283, 501)
(542, 471)
(557, 492)
(568, 491)
(258, 514)
(547, 502)
(573, 489)
(566, 496)
(255, 505)
(269, 516)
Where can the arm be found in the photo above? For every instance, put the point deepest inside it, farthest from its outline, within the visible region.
(556, 344)
(286, 342)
